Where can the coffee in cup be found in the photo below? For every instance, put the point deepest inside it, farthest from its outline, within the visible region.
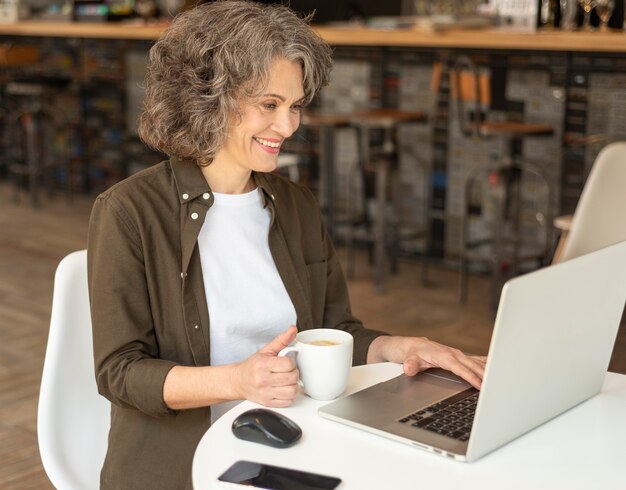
(323, 342)
(324, 359)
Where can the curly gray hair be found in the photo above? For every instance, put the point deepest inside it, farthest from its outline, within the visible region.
(212, 58)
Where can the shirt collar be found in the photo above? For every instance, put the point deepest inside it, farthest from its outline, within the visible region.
(190, 182)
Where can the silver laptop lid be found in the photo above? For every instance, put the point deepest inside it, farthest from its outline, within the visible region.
(552, 341)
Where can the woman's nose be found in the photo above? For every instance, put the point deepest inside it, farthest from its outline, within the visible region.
(287, 123)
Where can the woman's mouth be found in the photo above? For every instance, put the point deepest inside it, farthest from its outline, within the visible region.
(269, 145)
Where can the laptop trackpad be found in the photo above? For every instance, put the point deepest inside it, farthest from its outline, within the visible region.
(396, 397)
(410, 393)
(431, 381)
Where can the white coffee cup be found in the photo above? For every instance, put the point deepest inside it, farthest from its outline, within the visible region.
(324, 369)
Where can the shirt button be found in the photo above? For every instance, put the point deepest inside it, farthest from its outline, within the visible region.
(194, 215)
(185, 196)
(205, 196)
(272, 196)
(195, 326)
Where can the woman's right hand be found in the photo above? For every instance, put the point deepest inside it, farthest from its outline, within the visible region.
(266, 378)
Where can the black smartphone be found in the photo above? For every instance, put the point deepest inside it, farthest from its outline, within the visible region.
(246, 474)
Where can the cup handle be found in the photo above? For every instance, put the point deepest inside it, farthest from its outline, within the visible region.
(287, 350)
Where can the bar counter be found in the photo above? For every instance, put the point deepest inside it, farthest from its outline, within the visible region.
(492, 39)
(575, 82)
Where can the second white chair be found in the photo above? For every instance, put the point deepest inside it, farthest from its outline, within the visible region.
(599, 219)
(73, 420)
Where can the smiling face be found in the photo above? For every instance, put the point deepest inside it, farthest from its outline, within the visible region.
(255, 138)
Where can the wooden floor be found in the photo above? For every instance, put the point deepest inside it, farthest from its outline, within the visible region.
(32, 242)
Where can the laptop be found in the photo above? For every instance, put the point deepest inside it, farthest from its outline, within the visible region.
(551, 345)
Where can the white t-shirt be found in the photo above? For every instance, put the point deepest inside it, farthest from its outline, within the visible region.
(247, 300)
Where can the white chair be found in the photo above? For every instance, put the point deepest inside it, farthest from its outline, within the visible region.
(73, 419)
(599, 219)
(562, 224)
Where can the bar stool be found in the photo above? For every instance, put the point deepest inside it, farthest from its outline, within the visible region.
(12, 58)
(327, 124)
(41, 143)
(503, 182)
(385, 229)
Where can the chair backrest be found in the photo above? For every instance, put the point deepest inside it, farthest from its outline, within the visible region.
(599, 219)
(469, 94)
(73, 419)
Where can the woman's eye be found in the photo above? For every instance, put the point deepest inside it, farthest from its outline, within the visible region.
(297, 108)
(269, 106)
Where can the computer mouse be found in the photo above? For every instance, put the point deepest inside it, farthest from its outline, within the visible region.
(266, 427)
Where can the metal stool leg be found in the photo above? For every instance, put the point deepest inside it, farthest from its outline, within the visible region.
(465, 245)
(326, 154)
(33, 155)
(427, 225)
(380, 225)
(499, 272)
(463, 266)
(426, 232)
(352, 211)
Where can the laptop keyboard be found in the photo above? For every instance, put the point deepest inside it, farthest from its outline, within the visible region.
(452, 417)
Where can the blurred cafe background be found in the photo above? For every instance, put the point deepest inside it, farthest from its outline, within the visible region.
(448, 154)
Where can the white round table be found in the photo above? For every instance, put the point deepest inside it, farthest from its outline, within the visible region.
(581, 449)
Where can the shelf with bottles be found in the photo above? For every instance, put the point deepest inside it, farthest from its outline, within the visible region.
(581, 14)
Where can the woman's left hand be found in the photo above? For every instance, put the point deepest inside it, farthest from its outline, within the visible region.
(418, 354)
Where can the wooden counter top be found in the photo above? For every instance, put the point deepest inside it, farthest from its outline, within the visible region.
(93, 30)
(548, 40)
(477, 39)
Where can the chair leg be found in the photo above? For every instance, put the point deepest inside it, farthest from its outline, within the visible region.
(33, 156)
(463, 280)
(464, 245)
(351, 218)
(463, 265)
(16, 177)
(327, 169)
(427, 172)
(349, 245)
(393, 248)
(394, 221)
(380, 225)
(426, 252)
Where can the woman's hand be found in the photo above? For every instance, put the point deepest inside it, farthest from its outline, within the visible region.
(418, 354)
(266, 378)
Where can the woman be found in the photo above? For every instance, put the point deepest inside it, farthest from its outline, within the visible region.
(199, 265)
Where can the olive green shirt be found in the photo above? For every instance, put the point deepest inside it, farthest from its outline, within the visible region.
(149, 308)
